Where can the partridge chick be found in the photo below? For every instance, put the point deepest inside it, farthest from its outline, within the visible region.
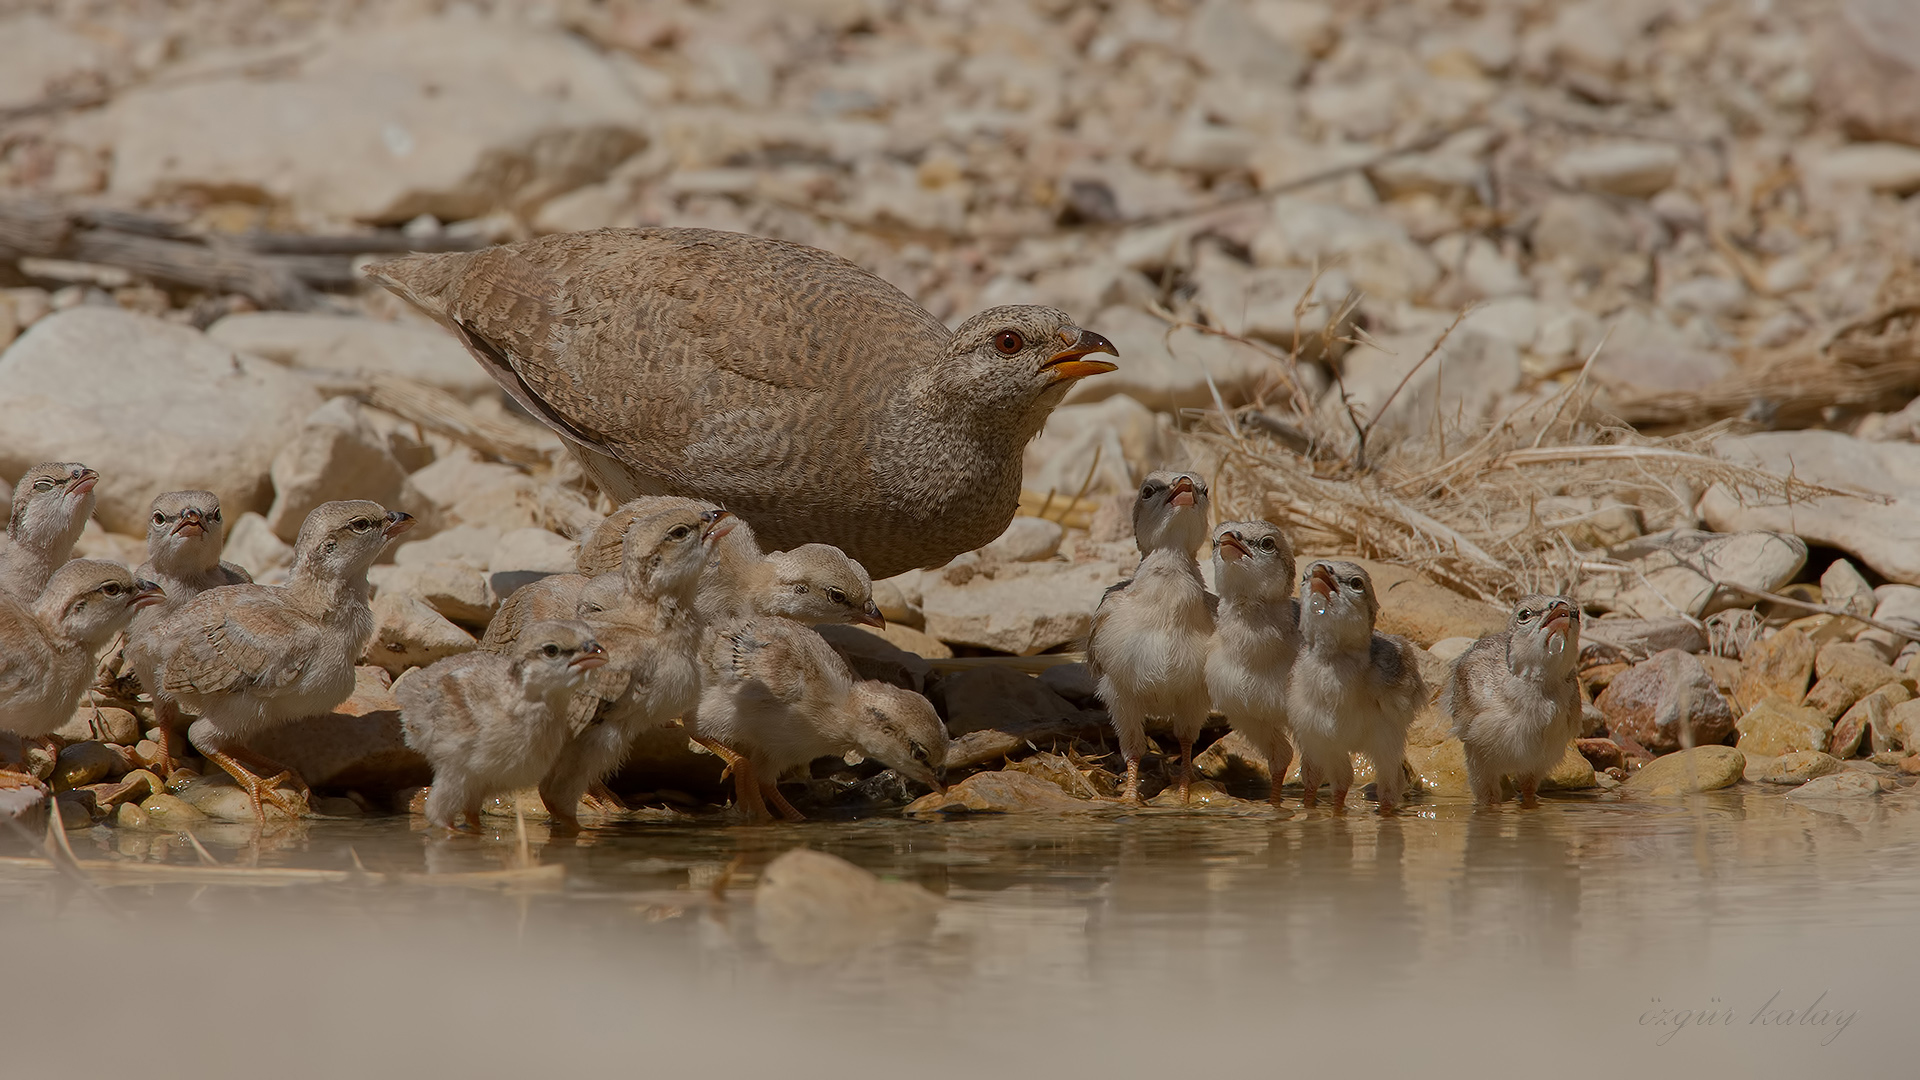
(51, 504)
(1256, 634)
(779, 695)
(244, 658)
(1148, 647)
(782, 382)
(47, 650)
(1515, 698)
(1353, 690)
(644, 617)
(489, 722)
(184, 537)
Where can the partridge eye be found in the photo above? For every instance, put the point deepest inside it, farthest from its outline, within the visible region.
(112, 588)
(1147, 490)
(1356, 584)
(1266, 544)
(159, 518)
(680, 532)
(836, 596)
(1009, 342)
(360, 525)
(1526, 615)
(550, 649)
(43, 485)
(213, 515)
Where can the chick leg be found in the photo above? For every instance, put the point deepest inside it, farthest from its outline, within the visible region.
(1389, 776)
(1279, 757)
(1529, 792)
(1341, 775)
(1186, 771)
(746, 790)
(1131, 726)
(1483, 782)
(261, 790)
(1310, 781)
(780, 802)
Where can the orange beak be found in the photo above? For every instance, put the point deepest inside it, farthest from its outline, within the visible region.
(1183, 494)
(397, 523)
(1231, 542)
(719, 524)
(88, 478)
(1562, 617)
(1072, 363)
(189, 524)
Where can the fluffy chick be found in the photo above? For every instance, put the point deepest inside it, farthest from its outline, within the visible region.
(491, 722)
(247, 657)
(184, 537)
(1353, 690)
(645, 619)
(779, 695)
(51, 504)
(1147, 650)
(47, 650)
(1514, 698)
(1255, 637)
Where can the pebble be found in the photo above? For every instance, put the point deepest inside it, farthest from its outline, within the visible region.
(1005, 792)
(1846, 784)
(1779, 667)
(83, 763)
(810, 907)
(1703, 768)
(1776, 726)
(1799, 767)
(1657, 702)
(105, 723)
(169, 810)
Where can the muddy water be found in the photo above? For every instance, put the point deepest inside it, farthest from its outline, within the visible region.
(1732, 934)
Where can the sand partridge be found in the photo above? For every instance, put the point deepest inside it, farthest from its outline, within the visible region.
(51, 504)
(184, 536)
(245, 658)
(779, 696)
(490, 723)
(1514, 698)
(1147, 650)
(1353, 690)
(1256, 633)
(47, 651)
(784, 383)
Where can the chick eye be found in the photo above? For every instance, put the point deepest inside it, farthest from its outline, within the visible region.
(213, 515)
(113, 588)
(680, 532)
(1526, 614)
(1147, 490)
(360, 525)
(1266, 543)
(836, 596)
(43, 485)
(1009, 342)
(159, 518)
(550, 649)
(1356, 584)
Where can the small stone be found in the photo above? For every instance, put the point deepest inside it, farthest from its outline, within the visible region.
(409, 633)
(810, 907)
(105, 723)
(1799, 767)
(1022, 608)
(1778, 667)
(1703, 768)
(1638, 170)
(1843, 586)
(1233, 759)
(1004, 792)
(147, 754)
(1871, 718)
(1684, 569)
(1776, 726)
(894, 606)
(1645, 636)
(526, 555)
(1027, 539)
(1666, 702)
(455, 590)
(83, 763)
(467, 545)
(336, 454)
(355, 345)
(1845, 784)
(358, 745)
(130, 816)
(74, 812)
(168, 810)
(252, 546)
(1887, 167)
(225, 801)
(1602, 754)
(1441, 768)
(1573, 773)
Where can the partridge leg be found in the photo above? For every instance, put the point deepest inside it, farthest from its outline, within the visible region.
(1279, 757)
(258, 789)
(780, 802)
(1130, 791)
(1309, 783)
(1529, 792)
(600, 798)
(1186, 771)
(746, 791)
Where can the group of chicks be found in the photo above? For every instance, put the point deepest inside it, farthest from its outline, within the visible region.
(1309, 670)
(675, 612)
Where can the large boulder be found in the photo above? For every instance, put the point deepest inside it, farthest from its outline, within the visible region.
(152, 405)
(451, 117)
(352, 345)
(1885, 535)
(1020, 608)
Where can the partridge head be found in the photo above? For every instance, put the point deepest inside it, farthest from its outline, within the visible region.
(51, 505)
(1253, 563)
(899, 729)
(1171, 512)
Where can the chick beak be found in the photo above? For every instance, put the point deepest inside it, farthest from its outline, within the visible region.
(1320, 580)
(1231, 546)
(189, 524)
(147, 594)
(1561, 617)
(88, 478)
(1183, 494)
(591, 656)
(397, 523)
(1072, 363)
(872, 617)
(719, 524)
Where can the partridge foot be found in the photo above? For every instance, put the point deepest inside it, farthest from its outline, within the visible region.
(1186, 771)
(780, 803)
(1529, 794)
(245, 768)
(1130, 791)
(746, 791)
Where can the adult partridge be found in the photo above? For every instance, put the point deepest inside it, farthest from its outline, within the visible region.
(802, 393)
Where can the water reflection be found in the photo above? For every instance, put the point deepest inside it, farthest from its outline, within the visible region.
(1133, 943)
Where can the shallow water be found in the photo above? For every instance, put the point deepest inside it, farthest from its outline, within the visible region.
(1441, 940)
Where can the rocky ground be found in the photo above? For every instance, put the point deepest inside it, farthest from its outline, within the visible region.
(1680, 234)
